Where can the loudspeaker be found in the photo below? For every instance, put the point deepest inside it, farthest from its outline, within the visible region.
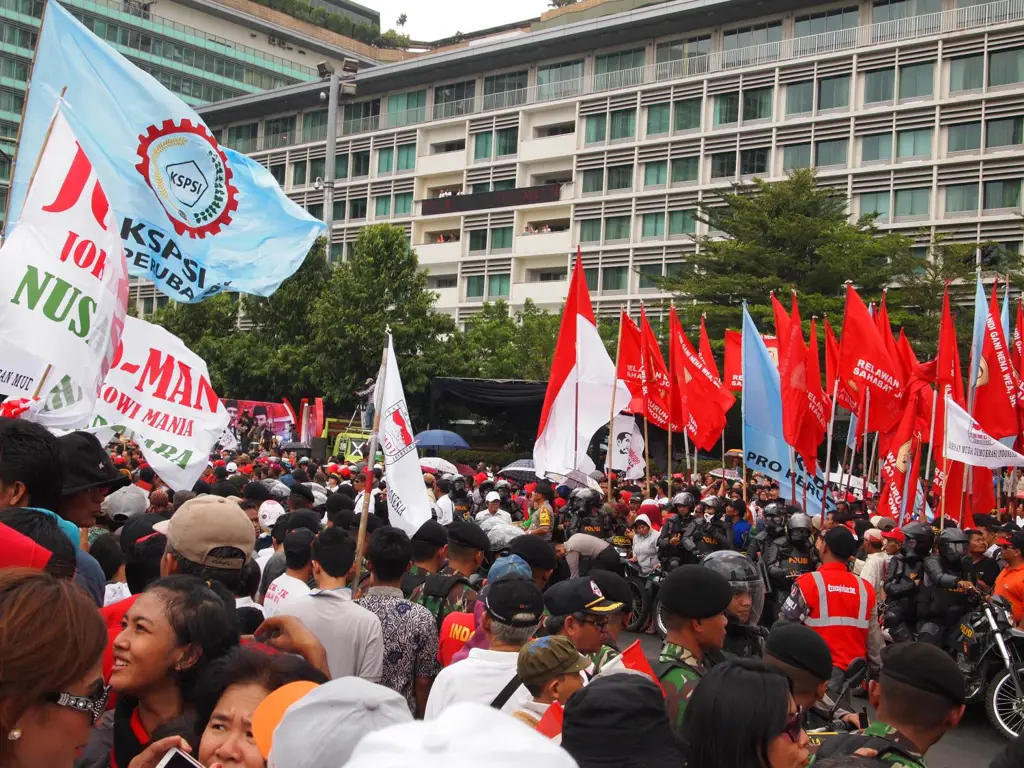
(318, 449)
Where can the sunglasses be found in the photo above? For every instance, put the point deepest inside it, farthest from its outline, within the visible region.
(93, 705)
(794, 725)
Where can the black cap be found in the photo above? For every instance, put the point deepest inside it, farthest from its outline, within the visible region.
(800, 647)
(537, 552)
(580, 595)
(841, 542)
(511, 596)
(87, 465)
(304, 491)
(339, 501)
(304, 518)
(1013, 539)
(298, 541)
(469, 535)
(135, 530)
(613, 586)
(695, 592)
(255, 492)
(924, 667)
(620, 720)
(432, 532)
(372, 522)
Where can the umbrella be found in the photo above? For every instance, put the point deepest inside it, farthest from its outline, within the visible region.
(465, 469)
(440, 438)
(730, 474)
(435, 465)
(521, 470)
(574, 479)
(734, 453)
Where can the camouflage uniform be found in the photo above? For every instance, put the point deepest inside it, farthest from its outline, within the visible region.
(461, 598)
(605, 654)
(679, 672)
(415, 575)
(892, 746)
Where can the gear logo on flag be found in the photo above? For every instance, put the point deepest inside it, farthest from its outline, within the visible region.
(395, 434)
(188, 171)
(903, 456)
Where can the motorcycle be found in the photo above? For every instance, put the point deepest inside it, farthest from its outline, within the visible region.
(990, 653)
(644, 589)
(856, 674)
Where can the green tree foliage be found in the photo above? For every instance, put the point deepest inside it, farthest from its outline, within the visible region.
(561, 3)
(507, 345)
(338, 23)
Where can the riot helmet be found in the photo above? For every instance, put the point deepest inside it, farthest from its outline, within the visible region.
(919, 539)
(684, 499)
(953, 546)
(799, 528)
(584, 500)
(773, 519)
(747, 585)
(458, 484)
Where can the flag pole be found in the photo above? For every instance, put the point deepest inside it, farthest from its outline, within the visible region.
(906, 487)
(611, 408)
(686, 453)
(931, 437)
(864, 457)
(792, 474)
(647, 456)
(945, 463)
(831, 426)
(871, 464)
(743, 418)
(364, 515)
(723, 455)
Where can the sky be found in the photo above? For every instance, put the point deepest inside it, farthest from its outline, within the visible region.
(435, 19)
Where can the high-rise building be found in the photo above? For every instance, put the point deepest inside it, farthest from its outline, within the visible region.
(499, 156)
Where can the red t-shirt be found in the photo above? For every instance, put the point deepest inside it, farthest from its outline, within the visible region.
(455, 631)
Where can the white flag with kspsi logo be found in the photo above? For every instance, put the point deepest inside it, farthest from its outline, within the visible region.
(966, 442)
(408, 505)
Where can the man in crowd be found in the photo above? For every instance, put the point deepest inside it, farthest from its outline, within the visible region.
(550, 669)
(579, 612)
(538, 554)
(450, 589)
(986, 569)
(429, 554)
(583, 552)
(1010, 582)
(89, 475)
(298, 569)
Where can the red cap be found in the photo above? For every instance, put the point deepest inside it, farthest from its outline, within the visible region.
(120, 461)
(560, 502)
(19, 551)
(480, 477)
(346, 472)
(896, 534)
(626, 496)
(245, 469)
(220, 463)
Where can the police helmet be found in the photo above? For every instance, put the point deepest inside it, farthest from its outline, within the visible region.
(799, 528)
(458, 484)
(714, 503)
(952, 544)
(919, 538)
(584, 499)
(744, 579)
(683, 499)
(503, 485)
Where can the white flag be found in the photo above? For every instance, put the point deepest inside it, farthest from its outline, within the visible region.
(408, 505)
(618, 441)
(63, 288)
(636, 466)
(968, 444)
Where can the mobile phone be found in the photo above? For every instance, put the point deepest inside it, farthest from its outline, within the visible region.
(178, 759)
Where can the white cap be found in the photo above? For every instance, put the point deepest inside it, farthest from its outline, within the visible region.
(458, 738)
(125, 503)
(492, 496)
(872, 534)
(231, 467)
(321, 729)
(270, 510)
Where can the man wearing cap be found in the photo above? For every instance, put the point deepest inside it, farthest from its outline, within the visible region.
(209, 537)
(918, 697)
(693, 602)
(253, 495)
(873, 567)
(89, 475)
(550, 669)
(1010, 582)
(616, 589)
(450, 589)
(512, 609)
(580, 612)
(837, 605)
(494, 510)
(429, 553)
(538, 554)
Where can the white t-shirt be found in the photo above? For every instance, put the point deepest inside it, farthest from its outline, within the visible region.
(115, 592)
(500, 514)
(263, 557)
(445, 510)
(479, 677)
(280, 589)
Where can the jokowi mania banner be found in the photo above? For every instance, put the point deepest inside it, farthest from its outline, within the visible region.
(194, 217)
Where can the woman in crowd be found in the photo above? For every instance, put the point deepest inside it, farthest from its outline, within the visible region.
(51, 687)
(743, 716)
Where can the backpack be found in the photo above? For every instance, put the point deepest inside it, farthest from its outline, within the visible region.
(410, 581)
(435, 591)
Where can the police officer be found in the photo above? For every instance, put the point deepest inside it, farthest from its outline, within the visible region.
(918, 697)
(744, 637)
(788, 557)
(773, 529)
(713, 532)
(693, 603)
(462, 502)
(586, 516)
(504, 489)
(676, 544)
(947, 589)
(903, 575)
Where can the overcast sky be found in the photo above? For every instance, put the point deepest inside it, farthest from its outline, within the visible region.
(435, 19)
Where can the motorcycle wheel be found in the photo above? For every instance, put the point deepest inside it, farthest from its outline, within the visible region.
(1005, 709)
(659, 620)
(641, 604)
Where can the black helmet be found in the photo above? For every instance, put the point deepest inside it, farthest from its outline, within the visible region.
(683, 499)
(584, 500)
(799, 528)
(773, 518)
(714, 503)
(919, 538)
(952, 544)
(458, 484)
(503, 485)
(744, 579)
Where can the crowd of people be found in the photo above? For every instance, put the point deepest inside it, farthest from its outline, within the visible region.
(236, 621)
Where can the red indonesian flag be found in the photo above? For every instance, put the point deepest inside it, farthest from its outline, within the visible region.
(631, 362)
(843, 396)
(631, 660)
(707, 401)
(792, 375)
(550, 724)
(897, 460)
(582, 387)
(656, 402)
(866, 365)
(995, 392)
(733, 361)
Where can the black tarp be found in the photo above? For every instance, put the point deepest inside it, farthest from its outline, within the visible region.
(517, 398)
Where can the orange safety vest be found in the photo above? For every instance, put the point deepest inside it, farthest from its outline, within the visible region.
(840, 610)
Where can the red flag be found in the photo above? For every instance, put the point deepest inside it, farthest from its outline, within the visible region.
(885, 331)
(707, 401)
(844, 397)
(949, 476)
(631, 362)
(781, 327)
(897, 461)
(733, 361)
(793, 377)
(706, 355)
(983, 493)
(550, 724)
(634, 658)
(819, 405)
(1017, 352)
(678, 412)
(995, 391)
(656, 403)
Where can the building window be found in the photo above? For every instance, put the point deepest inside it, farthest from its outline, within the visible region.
(828, 21)
(1002, 194)
(616, 228)
(687, 114)
(647, 274)
(279, 173)
(362, 116)
(341, 167)
(498, 286)
(796, 156)
(382, 206)
(893, 10)
(916, 80)
(316, 210)
(878, 86)
(658, 119)
(592, 275)
(337, 252)
(832, 152)
(475, 287)
(484, 186)
(754, 161)
(757, 104)
(360, 164)
(279, 132)
(240, 137)
(727, 108)
(597, 129)
(967, 73)
(620, 177)
(357, 208)
(876, 147)
(1005, 132)
(505, 184)
(912, 202)
(962, 198)
(685, 169)
(623, 124)
(676, 58)
(656, 173)
(560, 81)
(407, 108)
(652, 225)
(505, 90)
(299, 174)
(147, 306)
(963, 137)
(501, 238)
(507, 141)
(914, 143)
(1005, 67)
(593, 181)
(385, 160)
(834, 92)
(454, 99)
(590, 231)
(619, 69)
(403, 204)
(723, 165)
(482, 146)
(318, 169)
(682, 222)
(614, 278)
(875, 203)
(406, 157)
(800, 98)
(478, 240)
(739, 43)
(338, 207)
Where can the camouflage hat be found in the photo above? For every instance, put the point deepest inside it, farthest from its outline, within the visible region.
(549, 657)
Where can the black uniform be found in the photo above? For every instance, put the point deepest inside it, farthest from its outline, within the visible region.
(685, 550)
(712, 536)
(903, 575)
(784, 561)
(942, 600)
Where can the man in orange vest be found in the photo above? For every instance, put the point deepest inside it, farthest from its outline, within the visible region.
(839, 606)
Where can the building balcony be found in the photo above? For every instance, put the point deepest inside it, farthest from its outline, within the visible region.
(548, 148)
(442, 162)
(505, 198)
(439, 253)
(547, 294)
(447, 298)
(542, 243)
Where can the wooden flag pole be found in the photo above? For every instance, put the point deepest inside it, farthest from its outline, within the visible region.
(792, 474)
(647, 456)
(611, 408)
(367, 487)
(945, 465)
(931, 439)
(864, 459)
(831, 425)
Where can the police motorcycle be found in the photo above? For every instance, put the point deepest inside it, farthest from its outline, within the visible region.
(644, 588)
(823, 721)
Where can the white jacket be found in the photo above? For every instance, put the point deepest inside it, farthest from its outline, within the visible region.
(645, 548)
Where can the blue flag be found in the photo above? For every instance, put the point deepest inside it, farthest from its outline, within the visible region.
(195, 218)
(980, 318)
(1005, 314)
(765, 448)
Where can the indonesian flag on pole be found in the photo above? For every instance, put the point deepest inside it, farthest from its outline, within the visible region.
(408, 505)
(656, 402)
(844, 397)
(631, 362)
(995, 393)
(733, 361)
(582, 388)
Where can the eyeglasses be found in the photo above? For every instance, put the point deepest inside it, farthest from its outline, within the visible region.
(599, 623)
(92, 705)
(794, 725)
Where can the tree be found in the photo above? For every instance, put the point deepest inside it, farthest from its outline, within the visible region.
(512, 346)
(402, 18)
(561, 3)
